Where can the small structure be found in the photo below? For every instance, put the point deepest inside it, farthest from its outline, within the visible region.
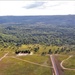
(31, 53)
(23, 53)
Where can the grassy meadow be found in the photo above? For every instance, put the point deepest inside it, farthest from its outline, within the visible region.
(32, 64)
(69, 72)
(12, 66)
(70, 63)
(62, 57)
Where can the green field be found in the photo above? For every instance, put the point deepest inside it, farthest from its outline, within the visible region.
(13, 66)
(61, 57)
(35, 64)
(70, 63)
(69, 72)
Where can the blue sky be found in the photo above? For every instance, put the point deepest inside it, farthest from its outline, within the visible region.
(37, 7)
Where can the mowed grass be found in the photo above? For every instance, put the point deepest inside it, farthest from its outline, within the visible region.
(61, 57)
(2, 53)
(69, 72)
(70, 63)
(44, 60)
(12, 66)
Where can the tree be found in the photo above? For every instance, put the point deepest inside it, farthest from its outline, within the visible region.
(36, 49)
(43, 53)
(50, 51)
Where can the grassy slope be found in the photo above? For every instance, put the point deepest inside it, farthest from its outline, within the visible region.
(68, 72)
(2, 53)
(11, 66)
(69, 64)
(61, 57)
(45, 60)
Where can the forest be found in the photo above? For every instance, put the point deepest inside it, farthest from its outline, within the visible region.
(48, 30)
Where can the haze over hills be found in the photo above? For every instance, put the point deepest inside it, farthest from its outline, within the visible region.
(55, 20)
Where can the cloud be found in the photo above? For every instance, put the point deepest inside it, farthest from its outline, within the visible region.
(44, 5)
(37, 7)
(34, 5)
(52, 5)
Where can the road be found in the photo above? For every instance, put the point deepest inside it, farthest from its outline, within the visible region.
(56, 66)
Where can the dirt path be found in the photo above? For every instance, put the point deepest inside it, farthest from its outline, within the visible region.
(31, 62)
(61, 64)
(4, 56)
(56, 66)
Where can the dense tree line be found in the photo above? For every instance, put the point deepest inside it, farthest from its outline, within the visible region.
(58, 51)
(55, 30)
(22, 51)
(44, 35)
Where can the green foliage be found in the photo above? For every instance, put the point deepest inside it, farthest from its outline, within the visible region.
(48, 30)
(36, 49)
(45, 49)
(22, 51)
(50, 51)
(43, 53)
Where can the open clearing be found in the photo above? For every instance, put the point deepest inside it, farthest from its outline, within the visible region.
(12, 66)
(35, 64)
(69, 72)
(69, 64)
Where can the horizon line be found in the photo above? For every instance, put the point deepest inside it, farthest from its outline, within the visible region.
(38, 15)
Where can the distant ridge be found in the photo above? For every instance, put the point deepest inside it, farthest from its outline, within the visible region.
(51, 19)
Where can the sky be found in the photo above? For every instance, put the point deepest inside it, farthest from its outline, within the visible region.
(22, 8)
